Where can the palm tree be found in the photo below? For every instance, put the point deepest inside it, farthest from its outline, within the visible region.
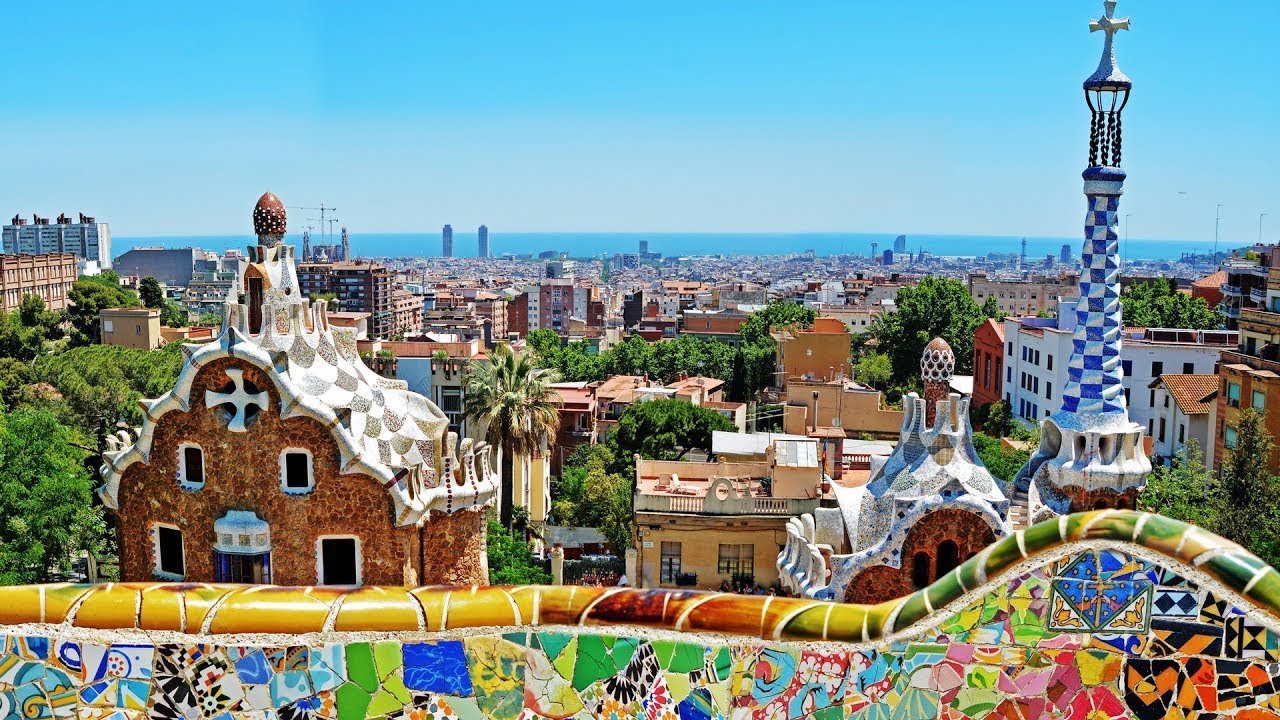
(510, 397)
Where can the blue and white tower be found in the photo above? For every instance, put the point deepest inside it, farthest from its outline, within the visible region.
(1091, 454)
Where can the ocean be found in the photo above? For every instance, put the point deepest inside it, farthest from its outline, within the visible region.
(589, 244)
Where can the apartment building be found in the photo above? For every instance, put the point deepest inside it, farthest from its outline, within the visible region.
(1250, 375)
(363, 286)
(1037, 351)
(48, 276)
(700, 524)
(1186, 411)
(820, 351)
(87, 239)
(988, 363)
(1024, 296)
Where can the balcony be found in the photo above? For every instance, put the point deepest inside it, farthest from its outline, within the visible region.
(1231, 312)
(1230, 290)
(703, 505)
(1258, 294)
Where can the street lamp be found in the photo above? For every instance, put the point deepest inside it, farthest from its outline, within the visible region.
(1217, 222)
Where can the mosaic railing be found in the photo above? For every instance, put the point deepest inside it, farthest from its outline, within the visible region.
(1093, 616)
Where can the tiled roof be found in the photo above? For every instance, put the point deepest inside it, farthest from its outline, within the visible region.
(1189, 391)
(1212, 280)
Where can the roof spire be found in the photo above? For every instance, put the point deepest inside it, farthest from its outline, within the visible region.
(1108, 74)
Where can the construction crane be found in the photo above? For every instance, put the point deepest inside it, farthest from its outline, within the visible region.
(323, 209)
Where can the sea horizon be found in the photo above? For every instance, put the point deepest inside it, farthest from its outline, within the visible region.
(672, 244)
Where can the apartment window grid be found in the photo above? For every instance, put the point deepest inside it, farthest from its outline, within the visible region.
(736, 560)
(669, 568)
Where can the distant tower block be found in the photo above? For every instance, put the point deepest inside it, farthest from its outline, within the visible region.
(874, 246)
(937, 363)
(1064, 256)
(887, 258)
(644, 247)
(346, 245)
(1022, 257)
(1091, 454)
(900, 244)
(446, 241)
(482, 236)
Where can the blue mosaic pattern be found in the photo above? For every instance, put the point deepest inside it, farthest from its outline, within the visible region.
(1094, 372)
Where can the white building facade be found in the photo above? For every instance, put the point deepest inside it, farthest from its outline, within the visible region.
(87, 239)
(1037, 349)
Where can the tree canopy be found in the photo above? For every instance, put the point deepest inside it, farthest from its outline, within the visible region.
(775, 314)
(667, 428)
(511, 557)
(935, 307)
(589, 495)
(1241, 503)
(46, 499)
(150, 293)
(92, 294)
(1158, 304)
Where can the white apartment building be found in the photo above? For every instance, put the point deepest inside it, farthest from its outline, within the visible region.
(1037, 350)
(87, 239)
(1186, 410)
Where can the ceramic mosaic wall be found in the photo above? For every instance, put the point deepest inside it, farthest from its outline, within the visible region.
(1088, 631)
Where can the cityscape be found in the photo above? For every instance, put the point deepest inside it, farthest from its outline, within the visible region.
(296, 464)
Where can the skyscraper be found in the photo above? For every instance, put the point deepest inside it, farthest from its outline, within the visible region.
(446, 241)
(1091, 455)
(644, 247)
(1064, 256)
(900, 244)
(483, 235)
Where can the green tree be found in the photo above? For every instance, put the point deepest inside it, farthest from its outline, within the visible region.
(101, 385)
(873, 370)
(657, 428)
(1158, 304)
(150, 292)
(991, 309)
(510, 397)
(172, 314)
(45, 499)
(14, 375)
(211, 318)
(91, 295)
(936, 307)
(1002, 461)
(1185, 489)
(775, 314)
(511, 557)
(1250, 507)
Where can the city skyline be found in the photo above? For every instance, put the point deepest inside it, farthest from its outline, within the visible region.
(666, 119)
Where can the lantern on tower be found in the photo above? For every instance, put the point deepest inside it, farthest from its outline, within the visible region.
(1106, 91)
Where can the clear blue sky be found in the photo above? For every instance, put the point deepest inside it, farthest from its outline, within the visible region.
(742, 115)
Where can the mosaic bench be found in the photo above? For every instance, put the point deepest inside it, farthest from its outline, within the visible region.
(1094, 616)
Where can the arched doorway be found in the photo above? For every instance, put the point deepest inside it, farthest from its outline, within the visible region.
(948, 558)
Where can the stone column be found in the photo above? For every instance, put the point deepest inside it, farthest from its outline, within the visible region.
(557, 565)
(633, 569)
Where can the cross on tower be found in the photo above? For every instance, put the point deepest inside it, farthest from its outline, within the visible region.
(1109, 23)
(240, 400)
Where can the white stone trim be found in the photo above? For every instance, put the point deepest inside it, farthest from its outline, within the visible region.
(183, 481)
(311, 472)
(320, 557)
(156, 570)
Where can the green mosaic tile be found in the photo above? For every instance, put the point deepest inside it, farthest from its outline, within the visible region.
(594, 662)
(1235, 569)
(722, 663)
(912, 611)
(360, 666)
(388, 658)
(1003, 554)
(1042, 536)
(568, 657)
(353, 701)
(553, 643)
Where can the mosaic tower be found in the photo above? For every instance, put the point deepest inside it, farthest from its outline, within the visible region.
(1091, 455)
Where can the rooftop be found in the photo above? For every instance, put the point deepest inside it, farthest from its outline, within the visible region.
(1190, 391)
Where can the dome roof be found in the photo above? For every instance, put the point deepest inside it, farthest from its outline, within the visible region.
(937, 362)
(269, 215)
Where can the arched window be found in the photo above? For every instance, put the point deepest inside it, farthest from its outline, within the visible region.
(948, 557)
(1100, 504)
(190, 466)
(255, 290)
(920, 570)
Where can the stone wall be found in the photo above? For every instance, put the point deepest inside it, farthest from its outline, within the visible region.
(242, 473)
(969, 532)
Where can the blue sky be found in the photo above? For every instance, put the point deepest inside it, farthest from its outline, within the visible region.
(840, 115)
